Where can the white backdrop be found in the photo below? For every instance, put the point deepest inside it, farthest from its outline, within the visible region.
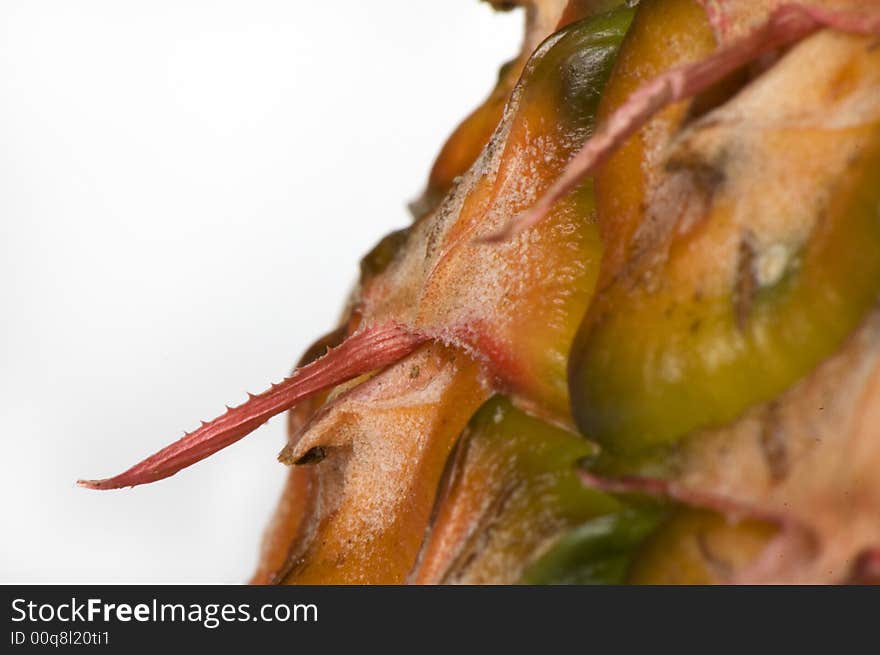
(186, 187)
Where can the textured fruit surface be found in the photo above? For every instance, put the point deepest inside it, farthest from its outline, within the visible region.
(754, 288)
(632, 334)
(518, 304)
(511, 492)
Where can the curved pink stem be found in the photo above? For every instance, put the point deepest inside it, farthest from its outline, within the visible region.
(364, 351)
(792, 533)
(787, 24)
(674, 491)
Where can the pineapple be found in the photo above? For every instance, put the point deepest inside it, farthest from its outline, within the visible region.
(632, 334)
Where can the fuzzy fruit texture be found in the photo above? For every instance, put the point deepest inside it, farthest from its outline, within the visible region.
(632, 334)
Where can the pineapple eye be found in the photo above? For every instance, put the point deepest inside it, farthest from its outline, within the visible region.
(651, 365)
(512, 480)
(678, 358)
(718, 301)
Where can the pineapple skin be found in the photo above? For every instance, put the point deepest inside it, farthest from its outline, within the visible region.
(671, 379)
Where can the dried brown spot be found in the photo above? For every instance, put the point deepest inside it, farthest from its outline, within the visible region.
(745, 285)
(773, 446)
(312, 456)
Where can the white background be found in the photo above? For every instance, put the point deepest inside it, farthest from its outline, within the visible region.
(185, 190)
